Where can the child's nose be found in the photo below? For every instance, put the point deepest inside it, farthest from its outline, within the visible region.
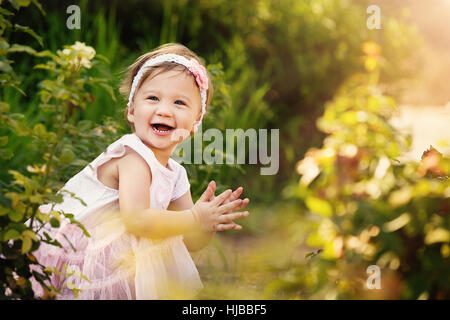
(164, 109)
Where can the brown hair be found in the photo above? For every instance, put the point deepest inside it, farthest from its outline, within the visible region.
(176, 48)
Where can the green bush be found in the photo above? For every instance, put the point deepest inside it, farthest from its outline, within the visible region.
(374, 210)
(55, 144)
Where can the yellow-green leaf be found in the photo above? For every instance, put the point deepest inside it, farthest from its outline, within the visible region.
(54, 222)
(36, 199)
(15, 216)
(26, 244)
(437, 235)
(11, 235)
(39, 130)
(400, 197)
(319, 206)
(67, 156)
(3, 211)
(397, 223)
(3, 141)
(30, 234)
(4, 107)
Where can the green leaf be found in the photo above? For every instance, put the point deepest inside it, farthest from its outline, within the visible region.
(397, 223)
(26, 244)
(38, 5)
(4, 107)
(6, 12)
(102, 57)
(30, 234)
(313, 254)
(5, 67)
(67, 155)
(400, 197)
(14, 4)
(4, 46)
(28, 30)
(437, 235)
(43, 66)
(3, 141)
(109, 90)
(18, 89)
(314, 240)
(79, 163)
(319, 206)
(6, 154)
(37, 198)
(4, 211)
(21, 48)
(54, 222)
(39, 130)
(86, 233)
(11, 235)
(23, 3)
(15, 216)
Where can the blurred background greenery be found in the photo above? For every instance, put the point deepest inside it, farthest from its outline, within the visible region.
(276, 64)
(281, 60)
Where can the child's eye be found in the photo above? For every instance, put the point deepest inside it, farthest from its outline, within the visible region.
(180, 101)
(151, 97)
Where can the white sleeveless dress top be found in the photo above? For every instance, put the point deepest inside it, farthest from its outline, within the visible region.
(118, 264)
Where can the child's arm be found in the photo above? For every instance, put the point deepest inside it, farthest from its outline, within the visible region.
(134, 201)
(194, 240)
(142, 220)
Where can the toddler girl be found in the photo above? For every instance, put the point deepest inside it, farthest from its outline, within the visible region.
(137, 206)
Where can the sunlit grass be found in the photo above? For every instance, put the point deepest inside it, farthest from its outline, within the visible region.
(245, 265)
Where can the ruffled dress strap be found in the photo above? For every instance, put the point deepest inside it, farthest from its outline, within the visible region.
(117, 150)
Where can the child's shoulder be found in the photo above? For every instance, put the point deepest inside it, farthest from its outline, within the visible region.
(131, 161)
(178, 168)
(128, 151)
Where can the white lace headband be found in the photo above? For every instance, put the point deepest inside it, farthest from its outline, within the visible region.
(193, 66)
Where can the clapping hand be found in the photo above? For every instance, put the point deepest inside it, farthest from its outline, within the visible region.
(217, 213)
(233, 196)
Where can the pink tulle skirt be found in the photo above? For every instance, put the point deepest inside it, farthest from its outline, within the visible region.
(114, 264)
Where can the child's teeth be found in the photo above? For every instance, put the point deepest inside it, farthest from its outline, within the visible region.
(163, 131)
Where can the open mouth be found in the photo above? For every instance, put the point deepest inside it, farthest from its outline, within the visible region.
(162, 128)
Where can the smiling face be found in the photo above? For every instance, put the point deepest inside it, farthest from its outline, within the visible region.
(170, 98)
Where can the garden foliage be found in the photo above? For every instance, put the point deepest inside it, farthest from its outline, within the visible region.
(375, 210)
(52, 147)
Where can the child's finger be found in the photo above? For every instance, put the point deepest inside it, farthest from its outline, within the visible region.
(209, 192)
(221, 197)
(233, 205)
(235, 195)
(237, 227)
(224, 227)
(243, 204)
(229, 217)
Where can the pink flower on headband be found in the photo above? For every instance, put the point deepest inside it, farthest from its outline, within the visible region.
(200, 74)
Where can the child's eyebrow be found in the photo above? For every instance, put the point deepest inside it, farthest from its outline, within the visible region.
(151, 91)
(159, 93)
(184, 97)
